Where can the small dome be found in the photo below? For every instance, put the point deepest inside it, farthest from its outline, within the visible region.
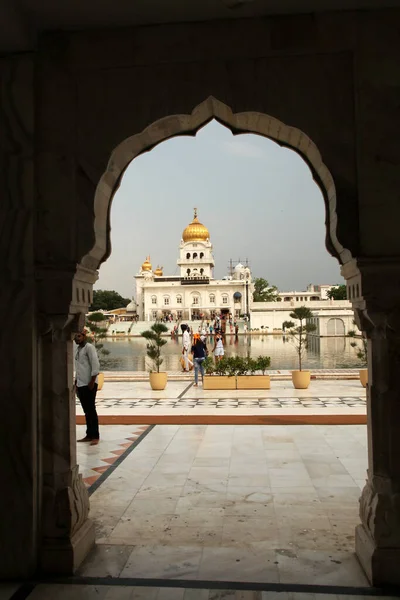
(131, 307)
(195, 231)
(146, 266)
(237, 295)
(239, 267)
(158, 272)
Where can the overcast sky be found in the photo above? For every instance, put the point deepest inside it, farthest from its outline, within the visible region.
(258, 200)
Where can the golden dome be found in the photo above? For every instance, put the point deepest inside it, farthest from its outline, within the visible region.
(146, 266)
(158, 272)
(195, 231)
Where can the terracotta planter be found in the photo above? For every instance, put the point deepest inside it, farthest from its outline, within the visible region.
(100, 381)
(301, 379)
(253, 382)
(158, 381)
(219, 382)
(364, 377)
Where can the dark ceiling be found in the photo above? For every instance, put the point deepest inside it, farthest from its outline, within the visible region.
(21, 21)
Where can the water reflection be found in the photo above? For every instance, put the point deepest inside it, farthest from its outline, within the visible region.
(328, 353)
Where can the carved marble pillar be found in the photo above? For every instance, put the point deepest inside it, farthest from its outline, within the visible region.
(18, 349)
(67, 534)
(374, 289)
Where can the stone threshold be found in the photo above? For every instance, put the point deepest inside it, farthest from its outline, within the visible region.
(213, 419)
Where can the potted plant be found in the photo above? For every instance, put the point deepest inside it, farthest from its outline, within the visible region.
(218, 376)
(95, 323)
(158, 379)
(298, 333)
(246, 375)
(361, 352)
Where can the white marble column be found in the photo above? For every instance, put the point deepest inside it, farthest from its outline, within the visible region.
(67, 534)
(375, 293)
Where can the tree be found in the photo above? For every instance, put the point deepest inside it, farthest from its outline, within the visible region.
(263, 292)
(299, 333)
(108, 300)
(339, 292)
(97, 332)
(154, 344)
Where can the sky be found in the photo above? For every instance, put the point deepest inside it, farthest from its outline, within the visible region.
(258, 201)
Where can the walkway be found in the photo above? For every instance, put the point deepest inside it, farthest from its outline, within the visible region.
(325, 402)
(273, 504)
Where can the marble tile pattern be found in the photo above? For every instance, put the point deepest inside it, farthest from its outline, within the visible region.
(234, 503)
(130, 398)
(93, 461)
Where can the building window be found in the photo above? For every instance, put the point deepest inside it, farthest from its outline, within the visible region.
(212, 299)
(188, 255)
(166, 300)
(154, 314)
(201, 271)
(179, 314)
(201, 254)
(224, 299)
(179, 299)
(154, 299)
(188, 272)
(195, 299)
(194, 254)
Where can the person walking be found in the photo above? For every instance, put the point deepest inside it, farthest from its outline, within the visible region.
(218, 347)
(87, 368)
(199, 351)
(185, 348)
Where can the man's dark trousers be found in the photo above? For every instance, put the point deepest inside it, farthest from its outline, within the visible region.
(88, 401)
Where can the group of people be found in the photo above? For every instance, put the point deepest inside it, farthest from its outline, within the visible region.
(199, 351)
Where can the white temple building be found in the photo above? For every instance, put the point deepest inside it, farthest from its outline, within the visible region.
(194, 293)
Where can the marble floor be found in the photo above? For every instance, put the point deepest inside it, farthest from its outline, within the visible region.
(116, 441)
(274, 504)
(135, 398)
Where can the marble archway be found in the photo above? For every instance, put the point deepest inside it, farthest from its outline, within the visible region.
(170, 126)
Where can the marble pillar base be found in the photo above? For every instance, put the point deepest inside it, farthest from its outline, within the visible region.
(381, 565)
(63, 557)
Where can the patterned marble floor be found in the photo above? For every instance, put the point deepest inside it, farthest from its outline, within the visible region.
(181, 397)
(179, 403)
(115, 441)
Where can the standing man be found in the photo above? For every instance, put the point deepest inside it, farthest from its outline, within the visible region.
(87, 368)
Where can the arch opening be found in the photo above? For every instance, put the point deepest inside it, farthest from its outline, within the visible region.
(175, 125)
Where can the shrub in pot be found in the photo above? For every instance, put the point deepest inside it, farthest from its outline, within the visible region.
(361, 352)
(299, 338)
(218, 376)
(158, 379)
(247, 378)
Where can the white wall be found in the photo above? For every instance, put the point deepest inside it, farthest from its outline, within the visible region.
(272, 314)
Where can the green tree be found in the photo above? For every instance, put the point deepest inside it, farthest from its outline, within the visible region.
(154, 344)
(263, 292)
(95, 323)
(298, 333)
(108, 300)
(339, 292)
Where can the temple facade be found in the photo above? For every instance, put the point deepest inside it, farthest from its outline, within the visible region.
(194, 293)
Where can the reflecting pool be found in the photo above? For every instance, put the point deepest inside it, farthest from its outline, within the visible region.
(323, 353)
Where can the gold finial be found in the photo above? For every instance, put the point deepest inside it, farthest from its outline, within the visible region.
(195, 213)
